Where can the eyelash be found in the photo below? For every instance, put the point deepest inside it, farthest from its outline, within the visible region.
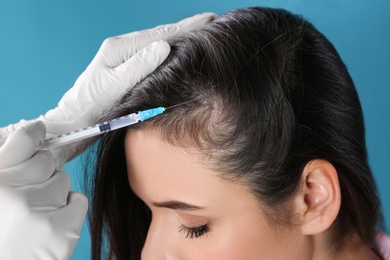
(194, 232)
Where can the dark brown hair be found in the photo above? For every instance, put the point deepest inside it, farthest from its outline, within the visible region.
(268, 93)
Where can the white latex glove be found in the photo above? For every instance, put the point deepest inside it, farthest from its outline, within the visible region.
(39, 218)
(120, 63)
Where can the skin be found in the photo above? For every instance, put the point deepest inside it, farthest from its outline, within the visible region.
(181, 194)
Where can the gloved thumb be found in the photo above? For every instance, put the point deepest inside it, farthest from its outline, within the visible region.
(22, 144)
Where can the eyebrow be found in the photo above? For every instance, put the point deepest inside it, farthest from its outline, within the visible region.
(177, 205)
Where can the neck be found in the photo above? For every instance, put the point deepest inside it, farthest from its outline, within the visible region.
(353, 249)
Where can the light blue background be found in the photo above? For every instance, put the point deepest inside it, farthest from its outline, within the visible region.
(46, 44)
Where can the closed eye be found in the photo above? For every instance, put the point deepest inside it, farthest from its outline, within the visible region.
(194, 232)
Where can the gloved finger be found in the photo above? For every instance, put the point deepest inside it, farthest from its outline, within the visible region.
(7, 130)
(56, 231)
(73, 213)
(137, 40)
(143, 63)
(133, 71)
(52, 194)
(69, 219)
(116, 50)
(22, 144)
(37, 169)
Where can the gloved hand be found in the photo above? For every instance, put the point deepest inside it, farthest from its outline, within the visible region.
(39, 218)
(120, 63)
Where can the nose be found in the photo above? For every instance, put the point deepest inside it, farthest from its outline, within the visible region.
(160, 241)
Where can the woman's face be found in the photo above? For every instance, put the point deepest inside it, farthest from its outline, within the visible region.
(195, 213)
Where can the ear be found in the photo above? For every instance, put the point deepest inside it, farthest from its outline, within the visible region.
(317, 203)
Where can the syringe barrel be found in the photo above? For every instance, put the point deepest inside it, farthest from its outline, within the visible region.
(124, 121)
(71, 137)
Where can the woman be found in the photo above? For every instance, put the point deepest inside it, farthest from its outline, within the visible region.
(261, 156)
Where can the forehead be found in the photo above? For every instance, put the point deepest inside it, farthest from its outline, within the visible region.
(158, 171)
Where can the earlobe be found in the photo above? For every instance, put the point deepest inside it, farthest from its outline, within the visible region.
(317, 203)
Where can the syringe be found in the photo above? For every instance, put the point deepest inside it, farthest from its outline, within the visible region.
(101, 128)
